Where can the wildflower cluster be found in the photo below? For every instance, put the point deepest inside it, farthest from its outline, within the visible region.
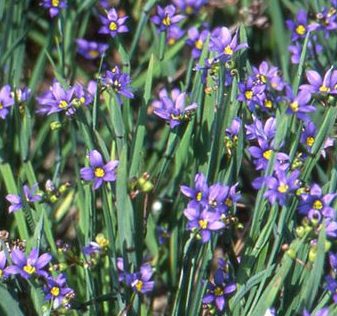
(209, 207)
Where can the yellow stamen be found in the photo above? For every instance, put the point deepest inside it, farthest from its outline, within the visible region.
(310, 141)
(249, 94)
(203, 223)
(171, 41)
(93, 53)
(1, 106)
(229, 202)
(29, 269)
(166, 21)
(1, 273)
(139, 285)
(55, 3)
(198, 44)
(218, 291)
(267, 154)
(82, 100)
(283, 188)
(317, 205)
(268, 104)
(189, 9)
(324, 88)
(300, 29)
(294, 106)
(99, 172)
(199, 196)
(55, 291)
(228, 50)
(113, 26)
(262, 78)
(63, 104)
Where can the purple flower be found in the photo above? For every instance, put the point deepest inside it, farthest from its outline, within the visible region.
(251, 93)
(261, 154)
(118, 81)
(319, 85)
(166, 17)
(198, 194)
(29, 195)
(280, 186)
(56, 289)
(92, 248)
(90, 49)
(21, 95)
(54, 6)
(140, 282)
(322, 312)
(299, 106)
(219, 290)
(261, 133)
(196, 40)
(113, 24)
(333, 260)
(57, 99)
(84, 95)
(6, 100)
(224, 44)
(190, 6)
(331, 285)
(3, 270)
(203, 221)
(174, 111)
(28, 266)
(98, 172)
(174, 33)
(300, 26)
(268, 75)
(327, 20)
(315, 204)
(308, 138)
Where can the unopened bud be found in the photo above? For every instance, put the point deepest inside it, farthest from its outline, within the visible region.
(55, 125)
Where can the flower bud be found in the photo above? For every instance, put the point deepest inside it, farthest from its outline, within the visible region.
(55, 125)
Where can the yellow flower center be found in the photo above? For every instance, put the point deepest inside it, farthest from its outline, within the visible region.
(203, 224)
(198, 44)
(189, 9)
(29, 269)
(229, 202)
(249, 94)
(218, 291)
(113, 26)
(55, 3)
(1, 106)
(166, 21)
(262, 78)
(317, 205)
(268, 104)
(283, 188)
(228, 50)
(267, 154)
(324, 89)
(1, 273)
(199, 196)
(176, 117)
(63, 104)
(82, 100)
(99, 172)
(171, 41)
(294, 106)
(93, 53)
(55, 291)
(139, 285)
(300, 29)
(310, 141)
